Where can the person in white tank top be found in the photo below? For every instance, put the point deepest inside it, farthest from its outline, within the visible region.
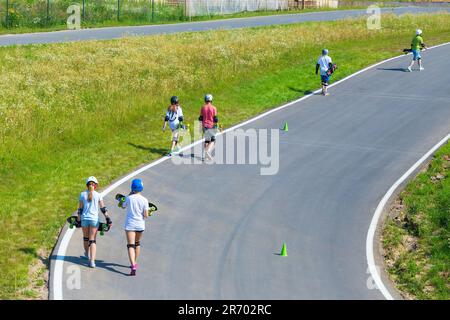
(137, 208)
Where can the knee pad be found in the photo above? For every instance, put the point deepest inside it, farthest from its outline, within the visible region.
(131, 246)
(137, 243)
(85, 239)
(91, 242)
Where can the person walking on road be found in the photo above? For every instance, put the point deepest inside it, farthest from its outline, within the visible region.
(209, 119)
(324, 64)
(174, 116)
(417, 45)
(90, 203)
(137, 211)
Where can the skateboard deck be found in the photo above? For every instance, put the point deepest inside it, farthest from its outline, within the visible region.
(121, 198)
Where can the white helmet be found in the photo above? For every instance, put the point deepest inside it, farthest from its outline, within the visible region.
(418, 32)
(91, 179)
(208, 98)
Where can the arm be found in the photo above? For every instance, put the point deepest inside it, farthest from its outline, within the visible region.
(166, 118)
(80, 210)
(317, 68)
(105, 212)
(146, 214)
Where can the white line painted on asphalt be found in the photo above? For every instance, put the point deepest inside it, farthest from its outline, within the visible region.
(376, 217)
(58, 270)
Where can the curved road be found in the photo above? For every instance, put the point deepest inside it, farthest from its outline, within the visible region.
(220, 227)
(117, 32)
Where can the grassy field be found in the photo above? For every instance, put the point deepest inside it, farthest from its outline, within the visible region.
(416, 237)
(72, 110)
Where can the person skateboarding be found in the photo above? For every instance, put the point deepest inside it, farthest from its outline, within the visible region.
(324, 64)
(90, 203)
(174, 117)
(137, 211)
(417, 45)
(209, 119)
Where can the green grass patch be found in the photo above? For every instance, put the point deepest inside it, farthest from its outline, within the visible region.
(416, 239)
(71, 110)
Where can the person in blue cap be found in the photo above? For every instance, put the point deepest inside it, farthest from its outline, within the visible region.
(137, 211)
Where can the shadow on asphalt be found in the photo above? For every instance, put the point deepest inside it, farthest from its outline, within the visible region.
(101, 264)
(392, 69)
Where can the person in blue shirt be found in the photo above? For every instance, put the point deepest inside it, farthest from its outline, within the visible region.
(324, 63)
(90, 203)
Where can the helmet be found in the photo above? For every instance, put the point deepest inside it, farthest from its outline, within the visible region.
(91, 179)
(208, 98)
(137, 185)
(418, 32)
(324, 52)
(174, 100)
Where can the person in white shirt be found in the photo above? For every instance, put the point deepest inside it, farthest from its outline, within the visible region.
(324, 64)
(174, 116)
(90, 203)
(137, 211)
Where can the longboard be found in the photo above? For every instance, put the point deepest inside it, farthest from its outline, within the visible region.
(73, 222)
(121, 198)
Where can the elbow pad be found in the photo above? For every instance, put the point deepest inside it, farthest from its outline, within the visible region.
(200, 118)
(215, 119)
(166, 118)
(180, 119)
(104, 210)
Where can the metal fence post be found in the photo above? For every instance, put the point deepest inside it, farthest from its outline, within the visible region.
(7, 14)
(48, 11)
(153, 10)
(118, 10)
(83, 10)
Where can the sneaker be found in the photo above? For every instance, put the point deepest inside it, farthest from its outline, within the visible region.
(326, 94)
(421, 68)
(133, 270)
(409, 69)
(92, 264)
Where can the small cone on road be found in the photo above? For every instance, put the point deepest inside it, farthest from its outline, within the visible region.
(283, 251)
(285, 128)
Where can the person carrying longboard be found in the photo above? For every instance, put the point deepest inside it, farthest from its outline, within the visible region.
(417, 45)
(137, 207)
(326, 67)
(90, 203)
(174, 116)
(209, 120)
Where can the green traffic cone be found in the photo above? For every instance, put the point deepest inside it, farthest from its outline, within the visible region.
(283, 251)
(286, 128)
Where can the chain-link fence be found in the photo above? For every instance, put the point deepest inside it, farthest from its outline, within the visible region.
(45, 13)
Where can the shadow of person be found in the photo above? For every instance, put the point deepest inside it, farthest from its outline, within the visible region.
(109, 266)
(393, 69)
(158, 151)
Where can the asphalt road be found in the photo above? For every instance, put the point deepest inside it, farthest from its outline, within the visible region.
(220, 228)
(117, 32)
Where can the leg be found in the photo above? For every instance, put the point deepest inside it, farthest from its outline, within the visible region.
(86, 240)
(138, 244)
(131, 247)
(92, 243)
